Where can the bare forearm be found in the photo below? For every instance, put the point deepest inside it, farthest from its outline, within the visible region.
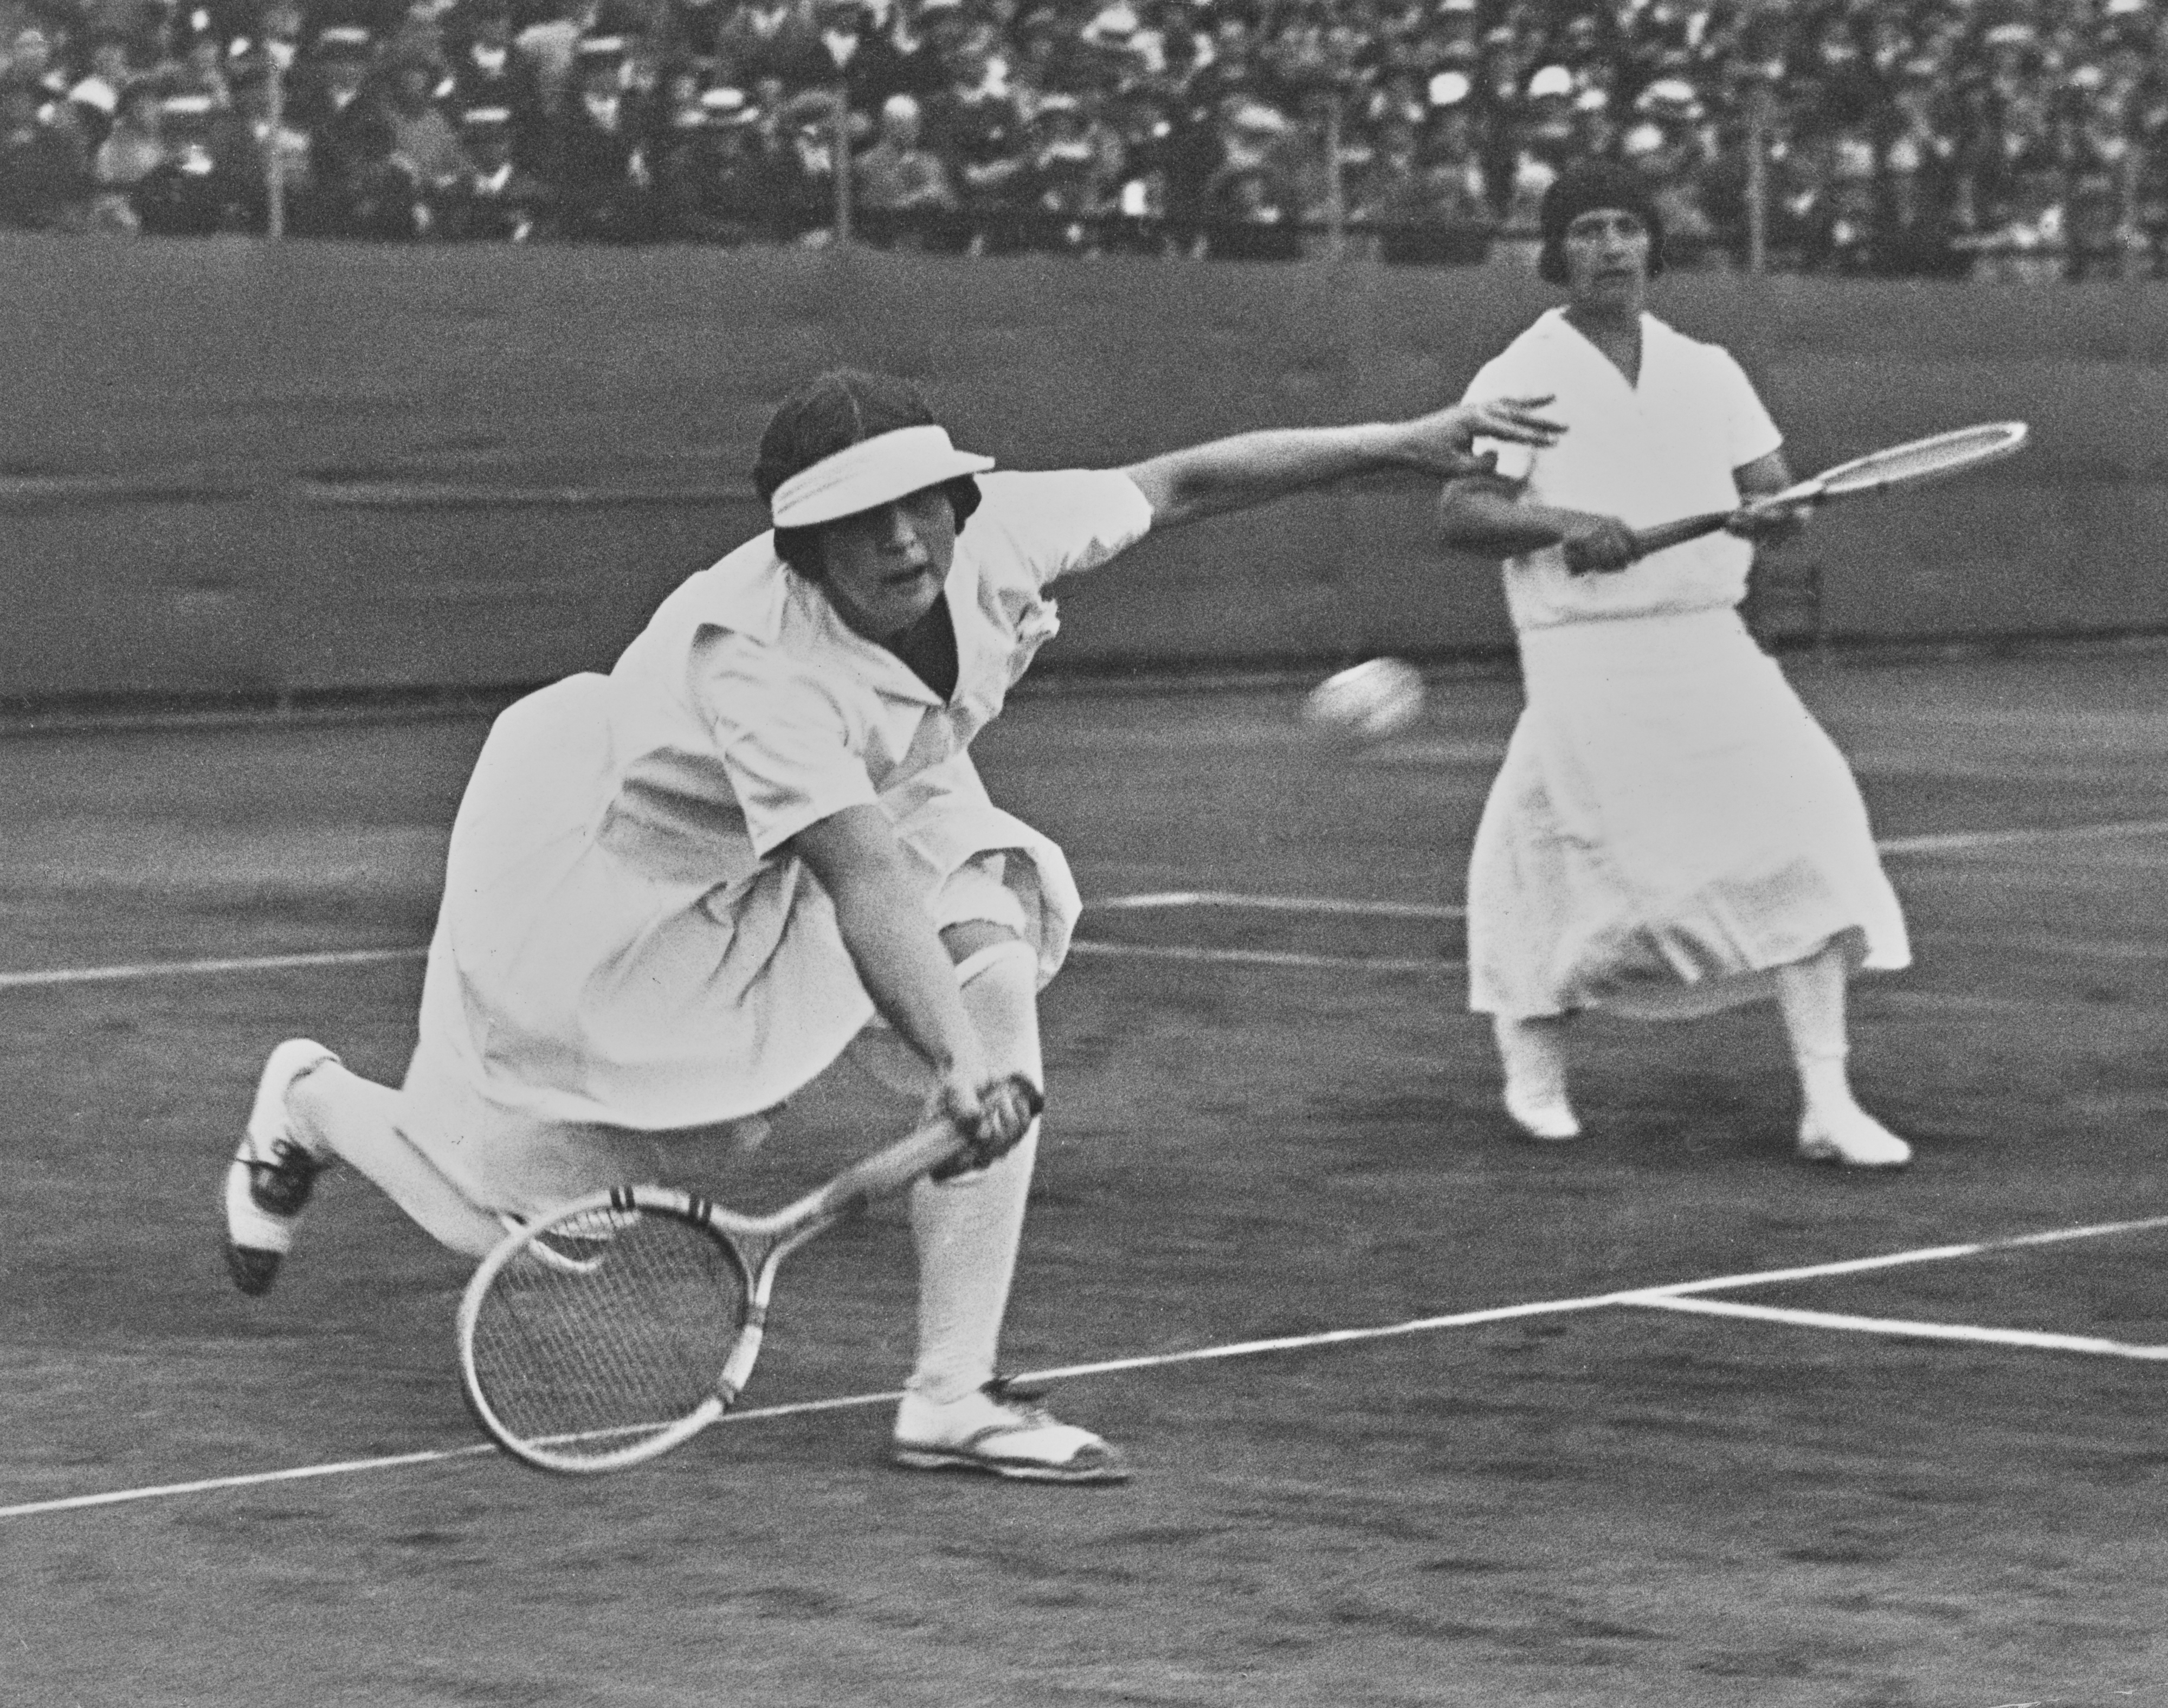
(888, 933)
(1255, 468)
(1480, 517)
(899, 960)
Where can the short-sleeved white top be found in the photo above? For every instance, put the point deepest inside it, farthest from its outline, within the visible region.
(625, 939)
(1647, 453)
(749, 704)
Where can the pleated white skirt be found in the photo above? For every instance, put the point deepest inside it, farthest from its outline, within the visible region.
(1669, 826)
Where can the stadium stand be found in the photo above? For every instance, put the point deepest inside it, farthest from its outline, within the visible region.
(2016, 140)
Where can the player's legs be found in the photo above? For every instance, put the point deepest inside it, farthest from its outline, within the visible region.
(1833, 1128)
(310, 1111)
(967, 1231)
(365, 1125)
(1531, 1052)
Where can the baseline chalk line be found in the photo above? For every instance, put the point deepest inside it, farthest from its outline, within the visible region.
(1261, 957)
(1958, 841)
(1324, 906)
(1273, 904)
(1678, 1295)
(168, 969)
(1901, 1329)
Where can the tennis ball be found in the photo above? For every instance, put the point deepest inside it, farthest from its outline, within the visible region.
(1373, 699)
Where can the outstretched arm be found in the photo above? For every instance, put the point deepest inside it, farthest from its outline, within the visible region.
(1255, 468)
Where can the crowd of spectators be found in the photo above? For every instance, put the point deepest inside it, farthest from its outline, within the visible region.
(2019, 138)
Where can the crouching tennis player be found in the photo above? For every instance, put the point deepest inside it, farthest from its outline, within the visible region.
(1672, 832)
(677, 893)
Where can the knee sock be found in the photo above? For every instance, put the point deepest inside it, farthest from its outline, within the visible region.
(1810, 993)
(967, 1230)
(1533, 1052)
(358, 1121)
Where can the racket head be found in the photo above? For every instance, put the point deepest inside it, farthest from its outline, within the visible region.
(1917, 459)
(610, 1331)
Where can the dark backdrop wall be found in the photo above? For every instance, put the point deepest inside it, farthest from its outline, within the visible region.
(228, 467)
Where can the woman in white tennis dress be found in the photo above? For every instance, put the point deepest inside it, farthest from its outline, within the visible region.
(1672, 832)
(676, 894)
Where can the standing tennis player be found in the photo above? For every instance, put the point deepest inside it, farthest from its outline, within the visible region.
(677, 893)
(1672, 832)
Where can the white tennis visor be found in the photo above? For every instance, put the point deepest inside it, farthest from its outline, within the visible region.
(876, 471)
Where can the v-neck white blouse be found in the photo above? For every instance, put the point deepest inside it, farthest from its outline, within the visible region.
(1648, 452)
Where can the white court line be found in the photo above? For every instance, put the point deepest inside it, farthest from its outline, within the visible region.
(1951, 842)
(1958, 841)
(1902, 1329)
(1262, 957)
(1274, 904)
(1667, 1297)
(168, 969)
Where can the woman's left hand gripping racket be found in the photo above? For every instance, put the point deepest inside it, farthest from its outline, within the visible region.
(624, 1323)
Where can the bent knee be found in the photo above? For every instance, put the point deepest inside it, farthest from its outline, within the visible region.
(970, 937)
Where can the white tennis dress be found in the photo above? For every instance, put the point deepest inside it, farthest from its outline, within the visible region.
(625, 946)
(1670, 824)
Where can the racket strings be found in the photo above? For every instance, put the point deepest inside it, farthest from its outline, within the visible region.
(612, 1331)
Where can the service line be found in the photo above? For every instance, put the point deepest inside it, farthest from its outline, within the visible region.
(1674, 1296)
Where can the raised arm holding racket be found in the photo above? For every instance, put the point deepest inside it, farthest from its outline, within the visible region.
(1911, 463)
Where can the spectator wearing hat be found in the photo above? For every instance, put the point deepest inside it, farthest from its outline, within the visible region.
(1666, 145)
(1539, 135)
(713, 183)
(1249, 204)
(330, 77)
(761, 38)
(601, 167)
(901, 185)
(485, 74)
(135, 146)
(33, 59)
(94, 97)
(45, 182)
(1075, 177)
(978, 125)
(425, 145)
(494, 198)
(548, 44)
(1432, 205)
(1917, 181)
(210, 181)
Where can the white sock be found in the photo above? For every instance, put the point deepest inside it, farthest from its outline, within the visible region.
(1811, 995)
(336, 1111)
(968, 1229)
(1825, 1085)
(1531, 1052)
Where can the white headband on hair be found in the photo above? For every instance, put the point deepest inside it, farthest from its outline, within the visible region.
(874, 471)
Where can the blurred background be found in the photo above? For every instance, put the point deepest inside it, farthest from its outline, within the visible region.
(2021, 139)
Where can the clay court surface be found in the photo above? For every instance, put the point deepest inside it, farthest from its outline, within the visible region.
(1268, 1121)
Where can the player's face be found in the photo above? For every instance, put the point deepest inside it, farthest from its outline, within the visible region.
(883, 568)
(1606, 258)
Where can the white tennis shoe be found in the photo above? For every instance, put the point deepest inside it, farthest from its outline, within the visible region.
(272, 1174)
(1003, 1431)
(1851, 1138)
(1547, 1117)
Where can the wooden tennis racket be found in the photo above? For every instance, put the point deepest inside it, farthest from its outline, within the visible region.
(1897, 466)
(622, 1324)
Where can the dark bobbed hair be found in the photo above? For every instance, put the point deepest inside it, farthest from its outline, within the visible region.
(830, 413)
(1583, 187)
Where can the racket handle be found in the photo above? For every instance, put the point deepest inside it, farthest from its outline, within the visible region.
(893, 1169)
(1666, 534)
